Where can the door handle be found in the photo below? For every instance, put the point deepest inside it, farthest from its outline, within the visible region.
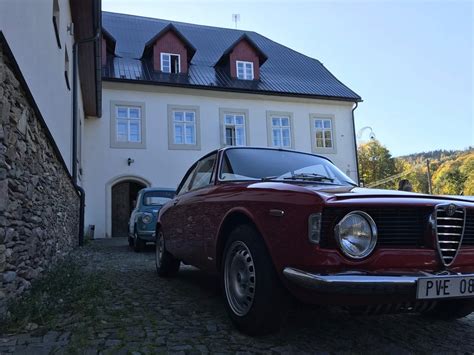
(175, 201)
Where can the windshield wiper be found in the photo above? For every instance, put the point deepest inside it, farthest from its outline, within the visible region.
(309, 177)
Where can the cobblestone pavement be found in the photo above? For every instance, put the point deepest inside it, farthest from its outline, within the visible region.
(145, 314)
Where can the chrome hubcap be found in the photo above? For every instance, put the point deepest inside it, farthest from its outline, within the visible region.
(159, 249)
(239, 278)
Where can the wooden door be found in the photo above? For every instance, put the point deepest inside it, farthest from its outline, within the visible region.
(120, 209)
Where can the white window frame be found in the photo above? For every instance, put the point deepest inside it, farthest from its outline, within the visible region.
(184, 124)
(114, 142)
(162, 54)
(270, 128)
(323, 117)
(235, 112)
(244, 63)
(172, 145)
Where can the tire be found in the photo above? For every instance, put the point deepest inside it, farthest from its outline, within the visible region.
(451, 310)
(255, 299)
(138, 244)
(166, 264)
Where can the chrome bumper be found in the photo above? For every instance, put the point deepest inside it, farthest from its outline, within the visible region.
(355, 282)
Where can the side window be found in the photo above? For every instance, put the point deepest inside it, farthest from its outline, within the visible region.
(204, 171)
(66, 68)
(323, 133)
(56, 21)
(186, 183)
(170, 63)
(280, 129)
(183, 127)
(127, 125)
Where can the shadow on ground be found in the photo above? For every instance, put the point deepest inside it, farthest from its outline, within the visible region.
(186, 314)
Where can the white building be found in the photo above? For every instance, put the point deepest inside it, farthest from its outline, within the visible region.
(41, 35)
(173, 92)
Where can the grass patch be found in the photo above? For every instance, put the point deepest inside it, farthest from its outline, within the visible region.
(66, 290)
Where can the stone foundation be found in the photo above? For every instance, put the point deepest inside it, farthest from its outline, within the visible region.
(39, 206)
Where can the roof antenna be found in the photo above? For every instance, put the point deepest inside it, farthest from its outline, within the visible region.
(235, 19)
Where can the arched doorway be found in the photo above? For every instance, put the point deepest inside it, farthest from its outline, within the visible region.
(124, 196)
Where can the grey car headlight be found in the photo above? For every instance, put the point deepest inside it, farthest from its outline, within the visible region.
(356, 234)
(147, 218)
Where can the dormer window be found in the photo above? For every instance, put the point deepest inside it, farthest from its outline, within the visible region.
(170, 63)
(244, 70)
(242, 59)
(169, 51)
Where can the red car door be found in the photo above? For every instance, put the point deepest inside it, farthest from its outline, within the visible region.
(187, 214)
(172, 219)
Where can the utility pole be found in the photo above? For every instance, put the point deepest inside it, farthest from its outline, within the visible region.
(430, 188)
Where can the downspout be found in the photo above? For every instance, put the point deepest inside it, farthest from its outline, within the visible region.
(81, 191)
(355, 142)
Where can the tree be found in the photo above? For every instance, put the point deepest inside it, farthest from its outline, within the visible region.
(455, 177)
(416, 173)
(376, 163)
(467, 168)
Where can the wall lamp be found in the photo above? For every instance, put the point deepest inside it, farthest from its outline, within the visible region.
(130, 161)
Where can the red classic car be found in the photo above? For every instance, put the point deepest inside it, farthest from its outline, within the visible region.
(275, 223)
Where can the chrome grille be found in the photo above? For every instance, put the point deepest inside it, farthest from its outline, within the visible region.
(450, 221)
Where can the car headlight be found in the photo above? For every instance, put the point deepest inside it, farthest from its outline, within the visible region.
(147, 218)
(356, 234)
(314, 228)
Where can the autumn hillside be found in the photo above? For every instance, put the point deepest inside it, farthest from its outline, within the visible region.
(452, 172)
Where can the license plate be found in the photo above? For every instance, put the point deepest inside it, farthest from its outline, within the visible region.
(445, 287)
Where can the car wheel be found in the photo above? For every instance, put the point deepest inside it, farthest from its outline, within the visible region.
(451, 310)
(256, 301)
(138, 244)
(166, 264)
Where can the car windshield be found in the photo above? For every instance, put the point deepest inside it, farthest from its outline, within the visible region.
(271, 164)
(157, 198)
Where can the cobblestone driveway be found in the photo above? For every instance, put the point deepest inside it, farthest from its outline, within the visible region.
(145, 314)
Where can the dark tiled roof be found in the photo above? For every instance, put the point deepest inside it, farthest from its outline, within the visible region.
(285, 72)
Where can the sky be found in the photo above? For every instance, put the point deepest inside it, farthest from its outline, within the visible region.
(410, 61)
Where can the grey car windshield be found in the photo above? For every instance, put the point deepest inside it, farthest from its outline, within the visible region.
(157, 198)
(242, 164)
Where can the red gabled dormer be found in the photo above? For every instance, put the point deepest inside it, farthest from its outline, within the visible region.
(243, 59)
(108, 46)
(171, 52)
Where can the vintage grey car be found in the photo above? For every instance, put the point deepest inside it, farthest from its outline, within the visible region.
(141, 226)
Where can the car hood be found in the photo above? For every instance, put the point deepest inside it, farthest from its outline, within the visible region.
(351, 192)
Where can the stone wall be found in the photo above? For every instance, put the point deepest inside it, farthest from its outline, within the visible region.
(39, 207)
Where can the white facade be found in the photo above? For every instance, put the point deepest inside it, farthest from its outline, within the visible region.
(28, 27)
(158, 163)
